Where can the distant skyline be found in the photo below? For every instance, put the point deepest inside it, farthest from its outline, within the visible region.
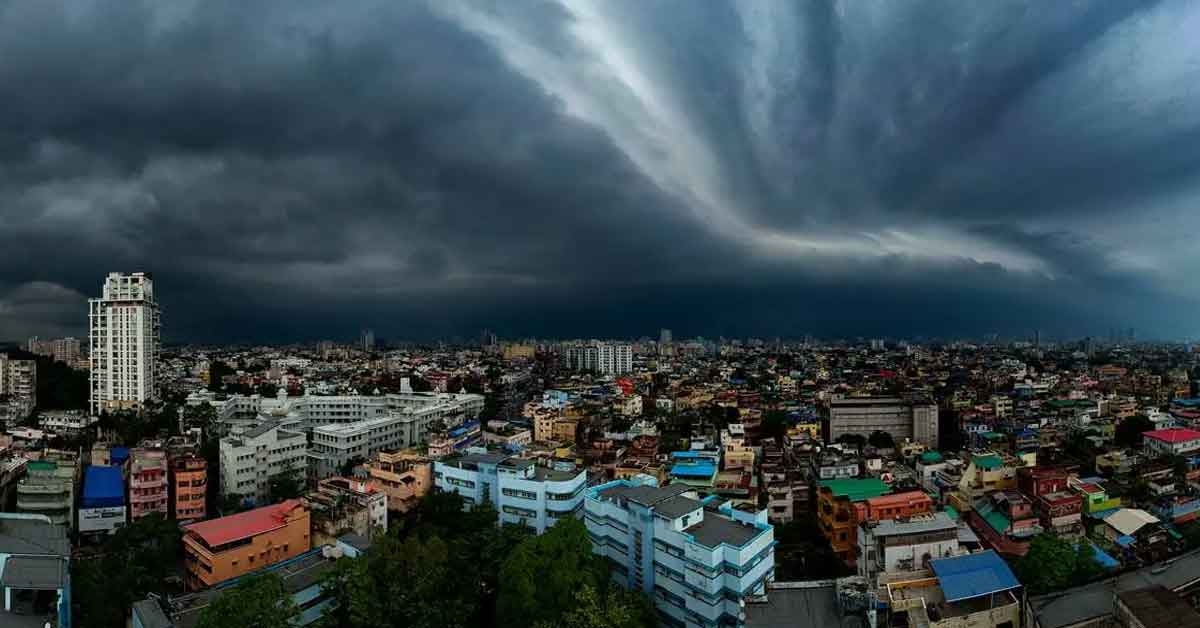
(297, 170)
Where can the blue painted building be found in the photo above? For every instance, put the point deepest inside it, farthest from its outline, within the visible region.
(699, 560)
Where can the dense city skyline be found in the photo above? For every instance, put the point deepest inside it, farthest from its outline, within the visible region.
(295, 171)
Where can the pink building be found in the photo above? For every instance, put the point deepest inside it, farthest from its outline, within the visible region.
(147, 482)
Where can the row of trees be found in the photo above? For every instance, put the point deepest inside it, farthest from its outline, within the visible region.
(444, 567)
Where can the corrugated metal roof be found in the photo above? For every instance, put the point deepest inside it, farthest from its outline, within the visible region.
(973, 575)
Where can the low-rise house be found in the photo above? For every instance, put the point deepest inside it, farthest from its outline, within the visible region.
(35, 574)
(189, 482)
(148, 482)
(404, 476)
(49, 486)
(905, 544)
(976, 590)
(341, 505)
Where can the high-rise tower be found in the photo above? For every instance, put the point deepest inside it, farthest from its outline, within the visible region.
(124, 335)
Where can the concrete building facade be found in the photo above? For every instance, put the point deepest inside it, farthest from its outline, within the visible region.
(915, 421)
(523, 491)
(698, 561)
(124, 338)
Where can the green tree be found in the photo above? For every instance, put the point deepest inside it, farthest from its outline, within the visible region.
(774, 425)
(1087, 568)
(287, 484)
(1129, 432)
(1048, 565)
(261, 601)
(881, 440)
(540, 578)
(406, 584)
(617, 609)
(136, 560)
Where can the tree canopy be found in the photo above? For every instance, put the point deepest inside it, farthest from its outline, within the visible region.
(1053, 564)
(1129, 432)
(136, 560)
(260, 601)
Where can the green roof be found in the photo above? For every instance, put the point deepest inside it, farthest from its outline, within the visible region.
(951, 512)
(856, 490)
(993, 435)
(998, 521)
(988, 462)
(931, 457)
(41, 465)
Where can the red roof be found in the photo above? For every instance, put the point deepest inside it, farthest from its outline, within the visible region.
(244, 524)
(1173, 435)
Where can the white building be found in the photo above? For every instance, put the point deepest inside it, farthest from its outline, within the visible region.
(902, 419)
(67, 422)
(521, 490)
(605, 358)
(1171, 442)
(699, 563)
(124, 337)
(250, 459)
(893, 545)
(335, 444)
(632, 405)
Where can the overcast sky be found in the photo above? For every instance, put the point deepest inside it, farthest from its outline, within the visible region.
(299, 169)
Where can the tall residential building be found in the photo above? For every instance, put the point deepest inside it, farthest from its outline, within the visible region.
(698, 560)
(18, 378)
(523, 491)
(367, 340)
(124, 339)
(904, 420)
(605, 358)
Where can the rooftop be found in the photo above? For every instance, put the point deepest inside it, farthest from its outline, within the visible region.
(216, 532)
(1173, 435)
(648, 496)
(1074, 606)
(973, 575)
(856, 490)
(1160, 606)
(715, 529)
(936, 522)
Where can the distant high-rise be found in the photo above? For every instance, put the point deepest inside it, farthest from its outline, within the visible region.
(664, 337)
(368, 340)
(604, 358)
(57, 349)
(124, 336)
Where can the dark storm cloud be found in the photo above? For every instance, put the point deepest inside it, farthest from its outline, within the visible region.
(298, 169)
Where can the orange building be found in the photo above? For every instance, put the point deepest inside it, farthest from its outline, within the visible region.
(190, 482)
(844, 504)
(220, 549)
(838, 503)
(404, 476)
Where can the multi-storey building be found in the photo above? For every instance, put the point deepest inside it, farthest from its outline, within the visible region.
(18, 378)
(523, 491)
(251, 459)
(341, 504)
(124, 339)
(905, 544)
(904, 420)
(605, 358)
(1171, 442)
(699, 561)
(189, 479)
(102, 505)
(49, 487)
(228, 547)
(58, 349)
(404, 476)
(148, 483)
(334, 445)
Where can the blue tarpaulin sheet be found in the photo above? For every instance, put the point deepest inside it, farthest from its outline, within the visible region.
(103, 487)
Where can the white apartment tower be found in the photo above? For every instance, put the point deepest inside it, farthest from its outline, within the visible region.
(124, 339)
